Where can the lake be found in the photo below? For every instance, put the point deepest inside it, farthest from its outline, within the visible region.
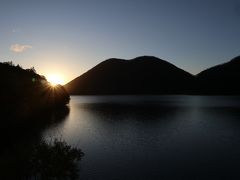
(154, 137)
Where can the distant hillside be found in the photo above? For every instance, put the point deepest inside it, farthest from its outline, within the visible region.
(220, 79)
(142, 75)
(24, 92)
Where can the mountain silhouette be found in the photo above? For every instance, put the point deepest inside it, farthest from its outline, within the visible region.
(141, 75)
(220, 79)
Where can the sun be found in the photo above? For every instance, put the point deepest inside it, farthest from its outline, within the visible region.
(55, 79)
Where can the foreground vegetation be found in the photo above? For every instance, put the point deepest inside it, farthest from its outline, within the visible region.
(41, 161)
(24, 92)
(29, 105)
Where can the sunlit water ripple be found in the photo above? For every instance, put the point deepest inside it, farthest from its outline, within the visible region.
(154, 137)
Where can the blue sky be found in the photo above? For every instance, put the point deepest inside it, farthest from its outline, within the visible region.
(68, 37)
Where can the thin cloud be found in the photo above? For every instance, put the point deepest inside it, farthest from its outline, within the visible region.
(16, 30)
(18, 48)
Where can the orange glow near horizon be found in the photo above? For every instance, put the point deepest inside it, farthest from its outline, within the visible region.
(55, 79)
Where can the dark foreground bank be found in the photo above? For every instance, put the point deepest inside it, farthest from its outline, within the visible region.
(29, 104)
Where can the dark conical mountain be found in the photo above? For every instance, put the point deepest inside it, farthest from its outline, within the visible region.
(142, 75)
(220, 79)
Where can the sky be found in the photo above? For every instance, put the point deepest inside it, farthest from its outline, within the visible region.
(68, 37)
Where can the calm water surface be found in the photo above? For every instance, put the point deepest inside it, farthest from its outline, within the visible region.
(154, 137)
